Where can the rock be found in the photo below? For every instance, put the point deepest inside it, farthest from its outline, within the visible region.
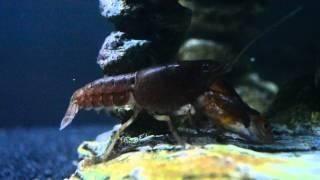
(297, 107)
(256, 92)
(151, 19)
(161, 23)
(194, 49)
(114, 9)
(120, 54)
(283, 141)
(228, 25)
(201, 162)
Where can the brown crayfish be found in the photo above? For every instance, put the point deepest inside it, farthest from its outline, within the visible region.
(164, 90)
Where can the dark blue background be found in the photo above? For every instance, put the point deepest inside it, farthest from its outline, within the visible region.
(45, 44)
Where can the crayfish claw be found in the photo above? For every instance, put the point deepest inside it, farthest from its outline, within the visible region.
(70, 114)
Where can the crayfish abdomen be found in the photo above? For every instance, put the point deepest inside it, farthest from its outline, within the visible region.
(101, 93)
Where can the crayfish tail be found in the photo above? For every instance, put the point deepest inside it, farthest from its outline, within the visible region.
(70, 114)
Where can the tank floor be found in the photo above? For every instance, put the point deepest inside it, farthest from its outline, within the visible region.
(42, 152)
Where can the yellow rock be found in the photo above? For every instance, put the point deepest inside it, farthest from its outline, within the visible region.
(208, 162)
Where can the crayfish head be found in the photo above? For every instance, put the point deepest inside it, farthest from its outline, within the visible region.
(257, 131)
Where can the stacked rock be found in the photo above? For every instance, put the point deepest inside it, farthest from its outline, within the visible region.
(147, 32)
(220, 28)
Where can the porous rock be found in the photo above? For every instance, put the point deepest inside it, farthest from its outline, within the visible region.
(195, 48)
(221, 28)
(119, 54)
(256, 92)
(151, 19)
(202, 162)
(297, 106)
(162, 23)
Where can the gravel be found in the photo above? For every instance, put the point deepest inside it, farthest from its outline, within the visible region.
(42, 152)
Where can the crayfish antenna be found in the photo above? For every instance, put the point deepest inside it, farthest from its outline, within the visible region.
(70, 114)
(229, 66)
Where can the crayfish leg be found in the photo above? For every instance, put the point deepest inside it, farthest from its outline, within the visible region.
(172, 129)
(174, 132)
(116, 136)
(70, 114)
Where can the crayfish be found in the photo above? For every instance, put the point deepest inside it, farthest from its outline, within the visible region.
(174, 89)
(163, 91)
